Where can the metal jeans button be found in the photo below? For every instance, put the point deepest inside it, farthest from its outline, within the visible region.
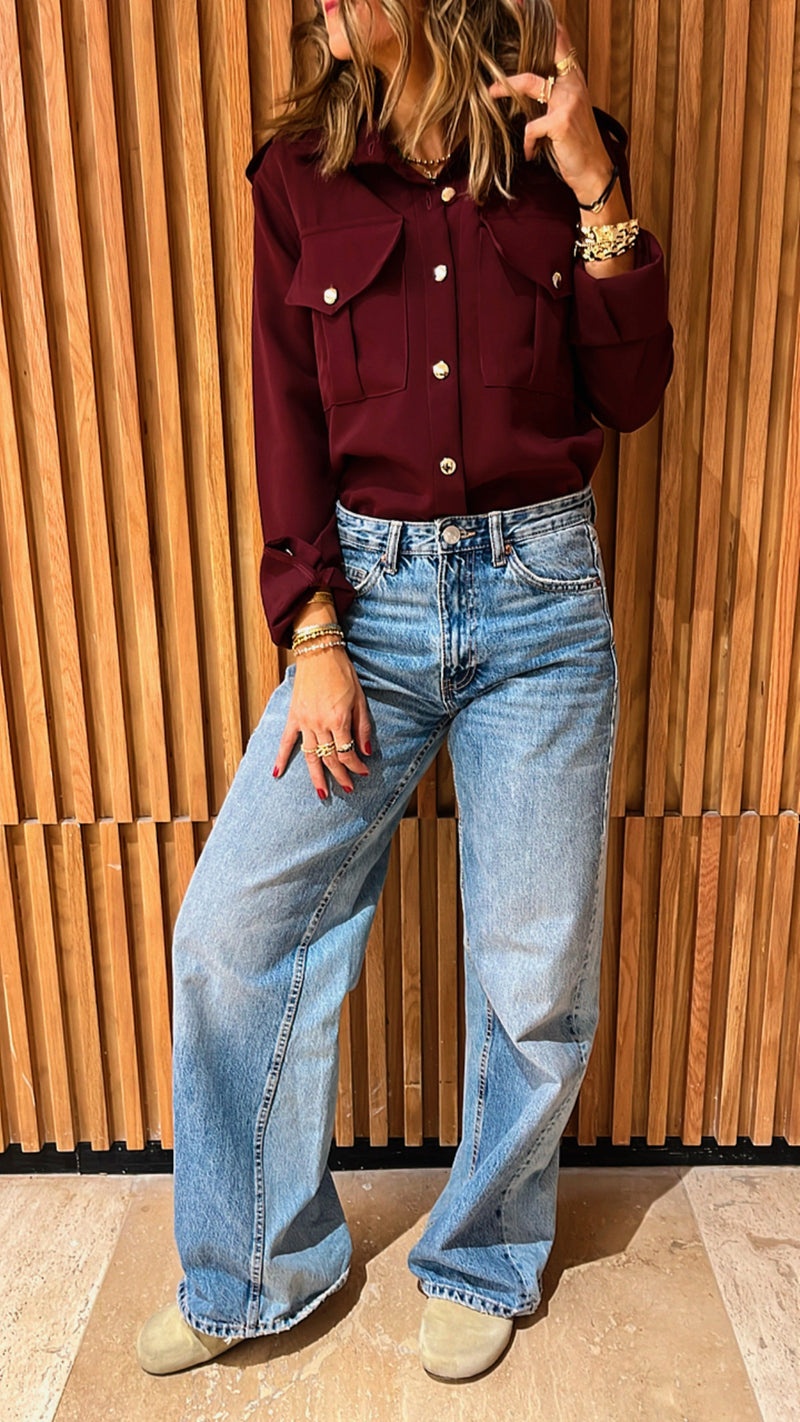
(451, 533)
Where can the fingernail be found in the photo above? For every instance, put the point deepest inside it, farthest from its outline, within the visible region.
(349, 789)
(323, 794)
(368, 748)
(275, 771)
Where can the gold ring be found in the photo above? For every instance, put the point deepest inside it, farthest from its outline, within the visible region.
(548, 85)
(327, 749)
(344, 749)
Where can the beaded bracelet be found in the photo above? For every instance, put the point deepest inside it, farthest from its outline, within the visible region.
(320, 647)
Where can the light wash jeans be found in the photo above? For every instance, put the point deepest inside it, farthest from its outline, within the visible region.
(492, 632)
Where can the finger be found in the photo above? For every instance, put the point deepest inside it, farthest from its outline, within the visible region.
(315, 767)
(351, 758)
(361, 723)
(285, 745)
(527, 83)
(339, 736)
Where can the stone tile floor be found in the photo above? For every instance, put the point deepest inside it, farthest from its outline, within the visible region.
(671, 1293)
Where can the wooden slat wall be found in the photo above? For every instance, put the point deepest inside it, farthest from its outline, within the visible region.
(134, 656)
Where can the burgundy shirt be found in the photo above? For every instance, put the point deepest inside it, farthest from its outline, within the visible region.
(417, 356)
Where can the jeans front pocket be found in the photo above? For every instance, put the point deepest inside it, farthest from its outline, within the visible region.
(363, 566)
(560, 559)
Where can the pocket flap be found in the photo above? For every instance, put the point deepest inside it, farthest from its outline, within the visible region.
(539, 245)
(340, 262)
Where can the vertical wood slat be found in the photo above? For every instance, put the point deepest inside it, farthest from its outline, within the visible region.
(702, 971)
(86, 1054)
(19, 1075)
(32, 377)
(666, 948)
(727, 197)
(87, 41)
(58, 187)
(145, 190)
(54, 1064)
(771, 1009)
(377, 1064)
(32, 732)
(727, 1125)
(628, 979)
(180, 75)
(125, 1045)
(779, 69)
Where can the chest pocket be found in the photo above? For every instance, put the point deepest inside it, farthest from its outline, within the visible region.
(354, 281)
(525, 269)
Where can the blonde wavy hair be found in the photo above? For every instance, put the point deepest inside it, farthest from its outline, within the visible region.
(472, 43)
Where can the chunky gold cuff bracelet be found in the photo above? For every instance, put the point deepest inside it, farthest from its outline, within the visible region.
(606, 239)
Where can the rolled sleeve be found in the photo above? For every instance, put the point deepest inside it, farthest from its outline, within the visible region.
(619, 325)
(296, 486)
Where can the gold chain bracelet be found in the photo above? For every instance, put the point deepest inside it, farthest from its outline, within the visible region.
(317, 629)
(606, 239)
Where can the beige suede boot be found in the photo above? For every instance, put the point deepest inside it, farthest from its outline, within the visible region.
(459, 1342)
(168, 1344)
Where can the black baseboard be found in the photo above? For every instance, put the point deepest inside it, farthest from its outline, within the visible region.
(154, 1160)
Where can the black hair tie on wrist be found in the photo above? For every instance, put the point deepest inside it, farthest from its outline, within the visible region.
(604, 196)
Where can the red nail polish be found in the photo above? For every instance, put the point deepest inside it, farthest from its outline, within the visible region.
(368, 748)
(275, 771)
(323, 794)
(348, 788)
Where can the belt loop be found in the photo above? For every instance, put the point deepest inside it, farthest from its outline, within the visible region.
(496, 538)
(392, 544)
(593, 503)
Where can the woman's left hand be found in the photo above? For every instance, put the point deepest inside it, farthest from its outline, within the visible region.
(582, 157)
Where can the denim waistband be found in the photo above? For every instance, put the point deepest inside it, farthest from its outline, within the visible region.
(475, 530)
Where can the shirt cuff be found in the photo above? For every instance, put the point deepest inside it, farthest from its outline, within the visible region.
(631, 306)
(291, 568)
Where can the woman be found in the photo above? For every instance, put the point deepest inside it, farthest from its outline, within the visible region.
(430, 346)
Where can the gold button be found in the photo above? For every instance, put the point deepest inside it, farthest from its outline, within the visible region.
(447, 466)
(329, 295)
(447, 194)
(440, 272)
(556, 278)
(441, 369)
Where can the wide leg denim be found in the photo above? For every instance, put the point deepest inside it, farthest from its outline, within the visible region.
(492, 632)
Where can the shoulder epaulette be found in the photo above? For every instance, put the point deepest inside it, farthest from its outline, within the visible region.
(252, 167)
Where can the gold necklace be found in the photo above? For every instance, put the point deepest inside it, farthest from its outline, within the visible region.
(426, 162)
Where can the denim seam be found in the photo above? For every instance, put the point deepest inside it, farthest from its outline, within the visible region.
(218, 1330)
(518, 1174)
(465, 1296)
(257, 1258)
(477, 1129)
(584, 1055)
(445, 685)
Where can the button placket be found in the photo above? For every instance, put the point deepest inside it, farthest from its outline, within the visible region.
(442, 328)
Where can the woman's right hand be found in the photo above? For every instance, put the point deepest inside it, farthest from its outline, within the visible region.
(328, 704)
